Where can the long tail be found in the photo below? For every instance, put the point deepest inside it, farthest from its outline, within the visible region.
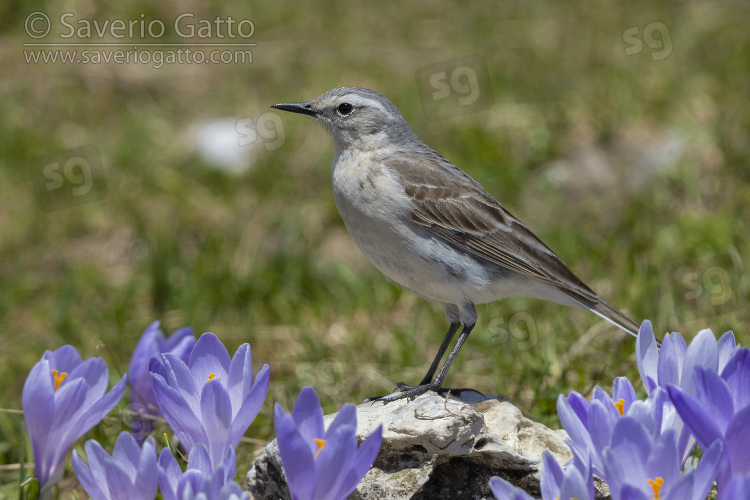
(617, 318)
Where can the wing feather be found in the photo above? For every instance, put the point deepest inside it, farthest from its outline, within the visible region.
(450, 204)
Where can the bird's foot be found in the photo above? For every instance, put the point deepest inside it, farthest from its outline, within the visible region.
(409, 392)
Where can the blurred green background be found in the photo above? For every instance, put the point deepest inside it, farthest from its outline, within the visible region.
(618, 133)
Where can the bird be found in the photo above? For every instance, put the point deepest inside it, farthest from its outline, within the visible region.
(431, 228)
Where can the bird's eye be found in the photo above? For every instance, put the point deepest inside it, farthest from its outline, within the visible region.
(345, 109)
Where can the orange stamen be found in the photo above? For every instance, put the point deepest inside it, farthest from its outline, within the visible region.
(211, 376)
(620, 405)
(59, 377)
(656, 485)
(320, 443)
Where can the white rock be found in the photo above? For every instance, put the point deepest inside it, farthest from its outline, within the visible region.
(437, 448)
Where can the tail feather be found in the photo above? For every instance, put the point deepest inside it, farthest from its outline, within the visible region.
(614, 316)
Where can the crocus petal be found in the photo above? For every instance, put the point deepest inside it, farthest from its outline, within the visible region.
(664, 460)
(367, 453)
(347, 415)
(70, 400)
(86, 478)
(736, 373)
(737, 487)
(580, 406)
(296, 458)
(580, 440)
(65, 359)
(702, 351)
(726, 347)
(631, 492)
(705, 473)
(714, 394)
(66, 425)
(647, 355)
(643, 412)
(601, 422)
(209, 356)
(232, 491)
(146, 349)
(169, 474)
(180, 378)
(119, 485)
(333, 461)
(178, 414)
(625, 458)
(240, 367)
(671, 360)
(191, 484)
(503, 490)
(605, 400)
(96, 412)
(575, 485)
(38, 411)
(200, 459)
(680, 489)
(180, 343)
(695, 416)
(229, 464)
(623, 389)
(216, 411)
(737, 442)
(127, 453)
(250, 407)
(95, 373)
(308, 415)
(552, 476)
(147, 471)
(363, 460)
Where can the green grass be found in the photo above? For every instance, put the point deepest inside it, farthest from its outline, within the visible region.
(263, 257)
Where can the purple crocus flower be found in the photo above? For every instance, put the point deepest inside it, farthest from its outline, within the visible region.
(720, 410)
(152, 345)
(322, 464)
(639, 467)
(212, 399)
(63, 398)
(590, 423)
(200, 478)
(575, 481)
(129, 474)
(673, 364)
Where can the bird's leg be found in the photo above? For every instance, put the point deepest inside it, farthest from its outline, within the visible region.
(435, 362)
(438, 382)
(434, 385)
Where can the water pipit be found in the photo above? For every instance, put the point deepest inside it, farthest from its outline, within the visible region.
(431, 228)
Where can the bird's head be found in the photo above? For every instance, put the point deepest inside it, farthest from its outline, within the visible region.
(355, 117)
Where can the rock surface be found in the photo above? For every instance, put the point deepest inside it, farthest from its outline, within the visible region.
(435, 447)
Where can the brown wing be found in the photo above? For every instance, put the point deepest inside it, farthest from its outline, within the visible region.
(450, 204)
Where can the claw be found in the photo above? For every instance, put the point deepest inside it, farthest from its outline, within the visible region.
(408, 392)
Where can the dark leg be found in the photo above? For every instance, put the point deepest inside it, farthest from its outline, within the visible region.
(446, 366)
(435, 385)
(443, 347)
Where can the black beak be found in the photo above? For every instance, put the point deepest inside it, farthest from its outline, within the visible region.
(296, 107)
